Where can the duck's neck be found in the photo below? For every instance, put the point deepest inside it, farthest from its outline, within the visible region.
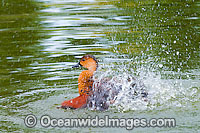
(92, 69)
(85, 81)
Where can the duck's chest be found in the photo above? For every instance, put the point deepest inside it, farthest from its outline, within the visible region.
(85, 83)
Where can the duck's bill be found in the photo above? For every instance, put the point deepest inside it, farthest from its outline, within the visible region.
(76, 66)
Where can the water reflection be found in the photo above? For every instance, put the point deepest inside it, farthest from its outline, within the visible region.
(19, 36)
(160, 31)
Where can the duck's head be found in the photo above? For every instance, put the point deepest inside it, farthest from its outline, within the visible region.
(88, 61)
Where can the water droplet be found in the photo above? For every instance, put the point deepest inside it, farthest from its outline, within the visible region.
(160, 65)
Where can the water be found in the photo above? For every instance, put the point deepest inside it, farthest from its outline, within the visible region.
(157, 42)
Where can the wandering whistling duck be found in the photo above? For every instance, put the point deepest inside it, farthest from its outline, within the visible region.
(101, 94)
(85, 83)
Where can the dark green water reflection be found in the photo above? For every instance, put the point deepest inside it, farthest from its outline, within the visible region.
(168, 31)
(40, 41)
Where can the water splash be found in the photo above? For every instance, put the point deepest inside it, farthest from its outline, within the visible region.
(111, 87)
(141, 89)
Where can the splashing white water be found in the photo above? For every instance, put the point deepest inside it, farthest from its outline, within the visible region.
(132, 86)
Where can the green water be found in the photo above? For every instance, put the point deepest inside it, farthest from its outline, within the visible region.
(157, 41)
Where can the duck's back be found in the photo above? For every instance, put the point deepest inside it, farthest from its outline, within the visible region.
(100, 99)
(106, 90)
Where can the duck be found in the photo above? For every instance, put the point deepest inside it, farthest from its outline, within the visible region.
(97, 95)
(85, 83)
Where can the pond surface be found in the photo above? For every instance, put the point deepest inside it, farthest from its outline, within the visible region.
(157, 42)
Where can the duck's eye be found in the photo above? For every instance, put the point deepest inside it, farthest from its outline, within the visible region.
(83, 59)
